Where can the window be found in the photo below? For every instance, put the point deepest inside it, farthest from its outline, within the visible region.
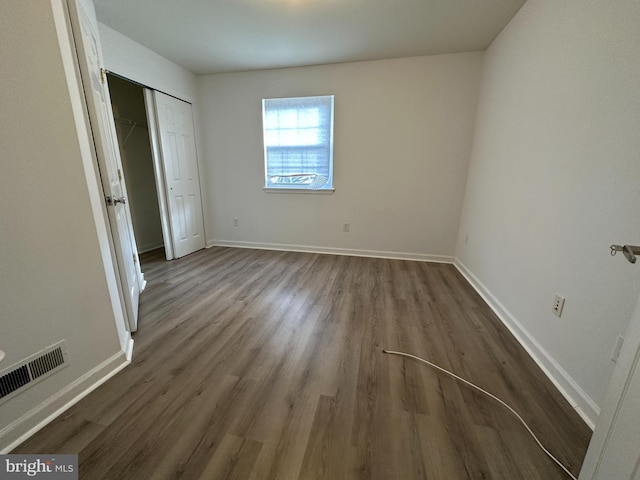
(298, 143)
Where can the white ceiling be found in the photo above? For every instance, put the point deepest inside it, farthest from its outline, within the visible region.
(213, 36)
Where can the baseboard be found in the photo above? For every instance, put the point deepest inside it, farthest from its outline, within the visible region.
(419, 257)
(28, 424)
(128, 352)
(567, 386)
(150, 246)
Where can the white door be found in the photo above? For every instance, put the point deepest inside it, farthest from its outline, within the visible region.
(614, 451)
(174, 120)
(94, 84)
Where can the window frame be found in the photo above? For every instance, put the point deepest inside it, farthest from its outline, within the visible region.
(298, 188)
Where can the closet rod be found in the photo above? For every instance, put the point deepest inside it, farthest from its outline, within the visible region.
(130, 122)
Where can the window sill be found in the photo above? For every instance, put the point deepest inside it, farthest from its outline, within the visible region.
(312, 191)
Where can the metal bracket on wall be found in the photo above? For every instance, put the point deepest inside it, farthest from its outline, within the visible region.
(629, 251)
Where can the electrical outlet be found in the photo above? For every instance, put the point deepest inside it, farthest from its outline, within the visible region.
(345, 227)
(616, 349)
(236, 222)
(558, 305)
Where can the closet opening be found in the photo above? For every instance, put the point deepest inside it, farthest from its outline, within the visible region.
(156, 139)
(130, 117)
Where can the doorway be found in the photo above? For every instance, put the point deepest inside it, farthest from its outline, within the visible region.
(130, 116)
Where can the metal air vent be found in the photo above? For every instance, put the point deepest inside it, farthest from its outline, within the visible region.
(32, 369)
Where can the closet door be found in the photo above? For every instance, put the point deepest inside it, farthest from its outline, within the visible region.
(174, 120)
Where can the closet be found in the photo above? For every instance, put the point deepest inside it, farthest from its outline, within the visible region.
(130, 116)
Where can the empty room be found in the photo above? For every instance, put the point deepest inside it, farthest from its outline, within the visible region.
(320, 239)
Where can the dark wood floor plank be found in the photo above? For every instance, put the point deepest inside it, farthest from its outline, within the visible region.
(257, 365)
(234, 459)
(70, 434)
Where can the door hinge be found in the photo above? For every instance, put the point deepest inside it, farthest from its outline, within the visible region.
(103, 75)
(135, 259)
(119, 175)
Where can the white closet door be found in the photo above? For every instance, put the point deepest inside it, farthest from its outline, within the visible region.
(182, 181)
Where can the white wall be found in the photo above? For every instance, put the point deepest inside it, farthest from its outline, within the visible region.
(136, 62)
(53, 248)
(554, 180)
(402, 138)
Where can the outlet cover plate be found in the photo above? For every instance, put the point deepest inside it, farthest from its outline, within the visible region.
(558, 305)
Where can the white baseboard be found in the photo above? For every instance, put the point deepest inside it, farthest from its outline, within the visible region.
(150, 246)
(568, 387)
(28, 424)
(129, 349)
(419, 257)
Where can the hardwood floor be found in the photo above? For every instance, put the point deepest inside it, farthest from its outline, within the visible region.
(254, 364)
